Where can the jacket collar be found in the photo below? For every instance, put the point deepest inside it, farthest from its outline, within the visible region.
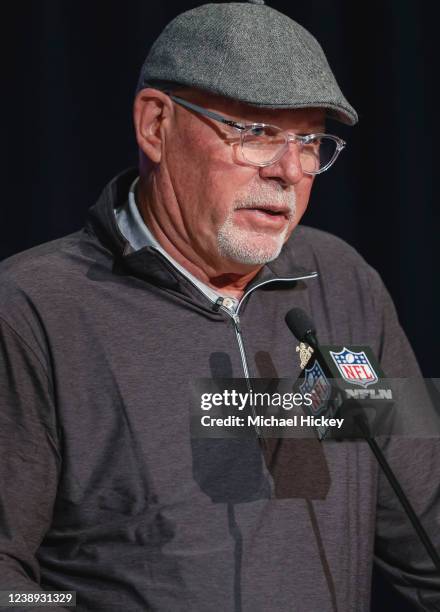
(150, 265)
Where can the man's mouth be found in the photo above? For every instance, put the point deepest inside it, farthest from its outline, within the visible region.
(271, 209)
(270, 216)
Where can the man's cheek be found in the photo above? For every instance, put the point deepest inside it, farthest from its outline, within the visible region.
(302, 198)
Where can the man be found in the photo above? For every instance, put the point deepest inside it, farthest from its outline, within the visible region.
(185, 269)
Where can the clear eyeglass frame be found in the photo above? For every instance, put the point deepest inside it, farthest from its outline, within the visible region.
(246, 130)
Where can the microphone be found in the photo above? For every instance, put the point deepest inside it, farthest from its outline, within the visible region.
(301, 326)
(349, 366)
(344, 381)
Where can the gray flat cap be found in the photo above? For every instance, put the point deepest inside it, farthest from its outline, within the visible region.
(249, 52)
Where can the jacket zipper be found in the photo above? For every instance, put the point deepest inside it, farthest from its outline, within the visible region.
(237, 328)
(238, 334)
(236, 318)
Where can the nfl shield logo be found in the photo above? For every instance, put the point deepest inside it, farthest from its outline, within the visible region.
(317, 385)
(354, 367)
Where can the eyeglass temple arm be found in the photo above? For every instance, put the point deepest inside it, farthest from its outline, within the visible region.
(204, 111)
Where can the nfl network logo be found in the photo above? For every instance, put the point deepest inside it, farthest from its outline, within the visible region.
(354, 367)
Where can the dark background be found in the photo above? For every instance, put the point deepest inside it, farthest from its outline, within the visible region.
(69, 75)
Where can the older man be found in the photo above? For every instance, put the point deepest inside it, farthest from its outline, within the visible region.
(226, 189)
(184, 270)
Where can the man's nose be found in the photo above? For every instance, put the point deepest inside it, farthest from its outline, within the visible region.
(288, 168)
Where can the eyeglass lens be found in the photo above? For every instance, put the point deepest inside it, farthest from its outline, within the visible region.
(261, 145)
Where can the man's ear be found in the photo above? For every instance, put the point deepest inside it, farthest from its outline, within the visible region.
(151, 106)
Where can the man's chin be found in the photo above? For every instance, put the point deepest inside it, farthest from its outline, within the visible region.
(250, 253)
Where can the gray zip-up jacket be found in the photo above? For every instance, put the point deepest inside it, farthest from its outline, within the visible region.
(104, 492)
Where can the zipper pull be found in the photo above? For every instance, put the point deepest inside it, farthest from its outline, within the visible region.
(217, 305)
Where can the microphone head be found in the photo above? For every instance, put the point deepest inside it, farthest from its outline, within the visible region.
(301, 325)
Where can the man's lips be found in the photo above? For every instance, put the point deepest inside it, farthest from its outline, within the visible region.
(270, 216)
(270, 209)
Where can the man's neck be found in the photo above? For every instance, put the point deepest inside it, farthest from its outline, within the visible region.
(227, 283)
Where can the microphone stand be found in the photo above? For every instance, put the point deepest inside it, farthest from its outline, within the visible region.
(386, 468)
(303, 329)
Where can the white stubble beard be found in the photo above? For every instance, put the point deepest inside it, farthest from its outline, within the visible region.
(255, 247)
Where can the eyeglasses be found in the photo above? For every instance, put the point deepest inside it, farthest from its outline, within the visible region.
(263, 144)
